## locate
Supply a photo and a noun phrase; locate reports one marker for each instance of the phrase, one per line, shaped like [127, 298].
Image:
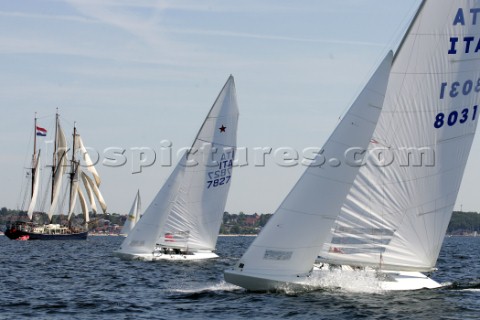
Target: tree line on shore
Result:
[462, 223]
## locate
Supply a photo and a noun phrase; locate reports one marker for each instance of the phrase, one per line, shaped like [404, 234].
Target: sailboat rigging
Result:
[286, 248]
[183, 220]
[65, 230]
[394, 217]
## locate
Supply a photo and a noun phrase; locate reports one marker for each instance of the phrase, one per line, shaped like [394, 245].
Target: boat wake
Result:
[356, 281]
[469, 285]
[205, 290]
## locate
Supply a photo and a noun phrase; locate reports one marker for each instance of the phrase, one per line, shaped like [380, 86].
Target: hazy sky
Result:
[135, 73]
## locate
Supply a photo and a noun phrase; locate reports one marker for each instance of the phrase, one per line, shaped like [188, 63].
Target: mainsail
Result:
[60, 156]
[398, 210]
[74, 191]
[96, 191]
[79, 178]
[289, 243]
[36, 185]
[89, 191]
[84, 206]
[87, 160]
[188, 208]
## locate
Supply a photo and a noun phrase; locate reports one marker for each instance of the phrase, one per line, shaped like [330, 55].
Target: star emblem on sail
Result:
[183, 220]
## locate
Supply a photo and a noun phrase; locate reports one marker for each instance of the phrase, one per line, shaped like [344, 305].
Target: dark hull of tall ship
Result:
[14, 233]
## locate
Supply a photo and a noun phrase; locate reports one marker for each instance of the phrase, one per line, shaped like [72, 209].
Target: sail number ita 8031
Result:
[455, 117]
[457, 88]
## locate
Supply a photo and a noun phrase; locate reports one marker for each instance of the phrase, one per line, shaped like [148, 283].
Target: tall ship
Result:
[72, 180]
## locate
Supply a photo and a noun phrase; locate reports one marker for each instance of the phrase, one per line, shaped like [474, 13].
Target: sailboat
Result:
[133, 215]
[183, 220]
[286, 248]
[62, 169]
[393, 219]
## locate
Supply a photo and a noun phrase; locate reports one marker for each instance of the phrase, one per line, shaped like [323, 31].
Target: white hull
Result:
[345, 278]
[198, 255]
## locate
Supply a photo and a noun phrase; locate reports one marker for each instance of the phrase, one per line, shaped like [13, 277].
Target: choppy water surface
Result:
[83, 280]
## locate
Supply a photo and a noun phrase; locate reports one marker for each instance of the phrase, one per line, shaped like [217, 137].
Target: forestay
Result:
[291, 240]
[399, 207]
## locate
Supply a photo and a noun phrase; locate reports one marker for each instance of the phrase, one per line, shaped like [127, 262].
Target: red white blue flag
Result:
[41, 131]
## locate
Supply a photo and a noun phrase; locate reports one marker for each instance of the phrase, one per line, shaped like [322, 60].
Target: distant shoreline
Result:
[220, 235]
[246, 235]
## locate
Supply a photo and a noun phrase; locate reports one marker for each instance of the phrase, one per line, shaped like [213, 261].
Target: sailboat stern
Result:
[406, 281]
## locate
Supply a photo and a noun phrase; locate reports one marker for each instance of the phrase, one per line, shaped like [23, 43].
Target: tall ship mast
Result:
[81, 180]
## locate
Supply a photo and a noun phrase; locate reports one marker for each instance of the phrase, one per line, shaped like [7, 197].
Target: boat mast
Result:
[34, 157]
[74, 165]
[54, 157]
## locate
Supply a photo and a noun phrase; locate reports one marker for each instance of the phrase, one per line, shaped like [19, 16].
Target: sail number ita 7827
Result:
[219, 177]
[223, 172]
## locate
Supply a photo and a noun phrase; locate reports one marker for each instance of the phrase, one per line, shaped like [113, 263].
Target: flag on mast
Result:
[42, 132]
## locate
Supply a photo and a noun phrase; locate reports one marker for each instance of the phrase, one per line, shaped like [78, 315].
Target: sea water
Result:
[83, 280]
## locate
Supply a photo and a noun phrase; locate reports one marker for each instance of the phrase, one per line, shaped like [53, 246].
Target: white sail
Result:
[88, 161]
[139, 207]
[89, 191]
[292, 238]
[96, 191]
[62, 194]
[61, 166]
[74, 193]
[397, 213]
[191, 203]
[36, 185]
[133, 215]
[83, 205]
